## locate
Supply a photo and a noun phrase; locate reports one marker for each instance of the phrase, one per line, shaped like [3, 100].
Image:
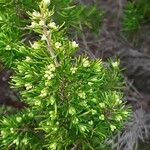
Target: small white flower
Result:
[41, 23]
[46, 2]
[74, 44]
[36, 14]
[43, 38]
[57, 45]
[52, 25]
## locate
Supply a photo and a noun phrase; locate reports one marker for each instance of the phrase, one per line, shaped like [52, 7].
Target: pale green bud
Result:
[102, 105]
[18, 119]
[72, 111]
[118, 118]
[73, 70]
[53, 146]
[112, 127]
[57, 45]
[75, 120]
[82, 94]
[115, 64]
[8, 47]
[102, 117]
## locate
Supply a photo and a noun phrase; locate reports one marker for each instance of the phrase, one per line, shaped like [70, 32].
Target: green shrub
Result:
[136, 14]
[72, 102]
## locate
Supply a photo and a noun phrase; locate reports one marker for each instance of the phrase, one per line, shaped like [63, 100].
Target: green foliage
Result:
[72, 102]
[136, 14]
[13, 19]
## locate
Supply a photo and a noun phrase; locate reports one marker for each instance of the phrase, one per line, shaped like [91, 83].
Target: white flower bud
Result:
[86, 62]
[36, 14]
[52, 25]
[115, 64]
[46, 2]
[41, 23]
[74, 44]
[28, 86]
